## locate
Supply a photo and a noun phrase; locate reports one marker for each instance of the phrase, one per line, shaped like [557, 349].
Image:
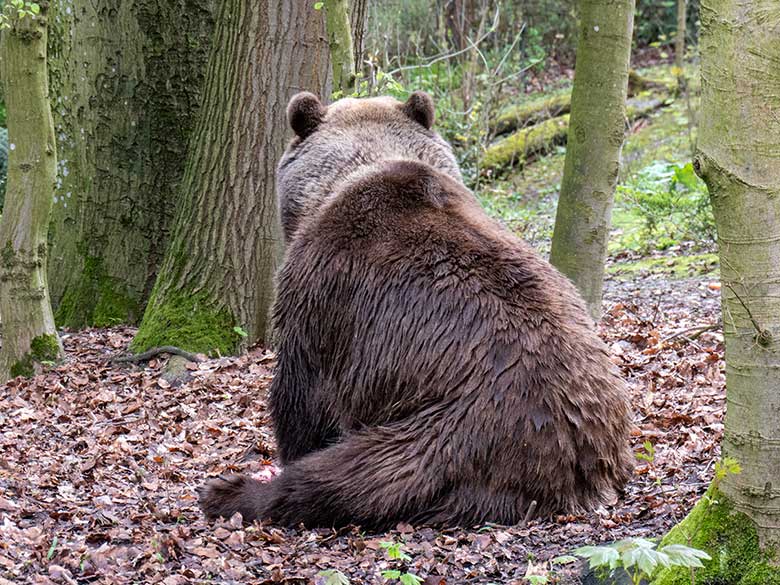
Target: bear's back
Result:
[403, 267]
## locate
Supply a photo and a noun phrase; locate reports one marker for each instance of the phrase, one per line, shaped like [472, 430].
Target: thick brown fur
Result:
[432, 367]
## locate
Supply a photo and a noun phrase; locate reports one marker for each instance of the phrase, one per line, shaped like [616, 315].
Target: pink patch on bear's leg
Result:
[267, 473]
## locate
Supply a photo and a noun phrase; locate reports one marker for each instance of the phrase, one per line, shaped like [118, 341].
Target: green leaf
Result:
[685, 175]
[391, 574]
[685, 556]
[52, 549]
[599, 556]
[564, 560]
[35, 8]
[642, 543]
[241, 332]
[537, 579]
[334, 577]
[318, 5]
[727, 466]
[410, 579]
[394, 551]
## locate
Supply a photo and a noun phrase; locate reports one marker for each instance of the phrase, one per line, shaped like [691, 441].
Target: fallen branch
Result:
[697, 331]
[540, 109]
[155, 351]
[531, 112]
[516, 149]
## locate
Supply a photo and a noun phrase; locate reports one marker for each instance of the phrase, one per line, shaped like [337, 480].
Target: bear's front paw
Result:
[224, 496]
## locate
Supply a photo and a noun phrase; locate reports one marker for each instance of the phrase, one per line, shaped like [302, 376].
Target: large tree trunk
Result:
[218, 271]
[739, 159]
[29, 336]
[597, 129]
[126, 79]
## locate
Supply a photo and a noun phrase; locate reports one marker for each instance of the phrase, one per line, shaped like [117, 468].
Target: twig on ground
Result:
[155, 351]
[697, 331]
[529, 514]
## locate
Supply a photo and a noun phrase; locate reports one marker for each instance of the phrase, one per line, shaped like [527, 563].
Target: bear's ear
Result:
[305, 113]
[419, 107]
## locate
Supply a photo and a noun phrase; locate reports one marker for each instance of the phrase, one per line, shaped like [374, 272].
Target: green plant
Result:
[671, 205]
[17, 9]
[639, 557]
[395, 552]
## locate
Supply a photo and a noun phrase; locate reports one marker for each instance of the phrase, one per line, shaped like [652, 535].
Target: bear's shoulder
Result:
[387, 200]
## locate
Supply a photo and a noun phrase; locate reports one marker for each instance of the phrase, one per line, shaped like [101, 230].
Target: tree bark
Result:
[598, 120]
[739, 159]
[29, 335]
[218, 271]
[679, 44]
[342, 52]
[358, 16]
[126, 79]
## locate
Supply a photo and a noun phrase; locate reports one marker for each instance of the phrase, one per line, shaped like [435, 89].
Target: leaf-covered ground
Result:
[99, 463]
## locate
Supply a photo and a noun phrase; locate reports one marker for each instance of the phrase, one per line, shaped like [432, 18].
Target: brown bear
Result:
[432, 368]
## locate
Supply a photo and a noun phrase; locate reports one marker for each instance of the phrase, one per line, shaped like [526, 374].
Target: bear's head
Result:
[336, 143]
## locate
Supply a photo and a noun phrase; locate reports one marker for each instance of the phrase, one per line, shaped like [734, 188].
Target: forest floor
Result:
[99, 464]
[99, 461]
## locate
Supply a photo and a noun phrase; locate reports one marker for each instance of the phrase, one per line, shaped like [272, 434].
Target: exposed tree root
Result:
[155, 351]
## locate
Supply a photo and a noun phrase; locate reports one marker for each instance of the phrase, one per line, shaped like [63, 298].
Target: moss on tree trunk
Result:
[126, 80]
[590, 173]
[29, 336]
[218, 271]
[729, 537]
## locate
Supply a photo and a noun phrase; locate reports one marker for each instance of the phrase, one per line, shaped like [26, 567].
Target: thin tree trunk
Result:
[29, 336]
[598, 103]
[342, 52]
[358, 16]
[126, 79]
[679, 45]
[739, 158]
[216, 283]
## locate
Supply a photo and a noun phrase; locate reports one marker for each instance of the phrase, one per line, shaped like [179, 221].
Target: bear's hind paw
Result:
[226, 495]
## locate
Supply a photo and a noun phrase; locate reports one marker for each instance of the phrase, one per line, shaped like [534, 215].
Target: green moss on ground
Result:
[729, 537]
[188, 322]
[96, 300]
[672, 266]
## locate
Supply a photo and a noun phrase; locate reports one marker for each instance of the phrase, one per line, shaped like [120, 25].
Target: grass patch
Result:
[675, 267]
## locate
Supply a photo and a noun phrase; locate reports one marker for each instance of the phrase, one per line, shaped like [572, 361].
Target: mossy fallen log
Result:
[516, 149]
[532, 112]
[541, 109]
[638, 83]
